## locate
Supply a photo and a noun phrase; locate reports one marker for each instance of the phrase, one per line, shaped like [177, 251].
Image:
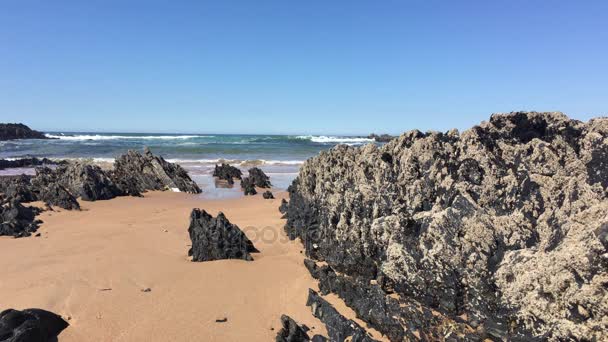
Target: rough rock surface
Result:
[89, 182]
[268, 195]
[339, 328]
[215, 238]
[17, 220]
[149, 172]
[505, 224]
[248, 186]
[25, 162]
[10, 131]
[291, 331]
[227, 172]
[259, 178]
[30, 325]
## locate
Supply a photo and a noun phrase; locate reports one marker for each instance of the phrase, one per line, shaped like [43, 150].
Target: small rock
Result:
[147, 289]
[221, 320]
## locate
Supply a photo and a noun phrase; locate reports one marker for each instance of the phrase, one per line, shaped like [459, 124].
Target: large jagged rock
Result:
[11, 131]
[138, 173]
[504, 224]
[215, 238]
[339, 328]
[227, 172]
[30, 325]
[259, 178]
[291, 331]
[17, 220]
[89, 182]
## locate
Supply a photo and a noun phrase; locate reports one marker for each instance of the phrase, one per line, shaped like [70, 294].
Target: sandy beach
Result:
[92, 267]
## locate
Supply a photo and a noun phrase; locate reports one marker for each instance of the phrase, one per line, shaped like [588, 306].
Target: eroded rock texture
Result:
[227, 172]
[259, 178]
[291, 331]
[25, 162]
[504, 226]
[215, 238]
[17, 220]
[248, 186]
[146, 171]
[30, 325]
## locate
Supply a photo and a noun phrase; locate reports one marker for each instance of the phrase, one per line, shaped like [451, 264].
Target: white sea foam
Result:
[124, 137]
[335, 140]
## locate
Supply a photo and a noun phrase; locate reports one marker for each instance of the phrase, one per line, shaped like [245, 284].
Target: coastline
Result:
[92, 266]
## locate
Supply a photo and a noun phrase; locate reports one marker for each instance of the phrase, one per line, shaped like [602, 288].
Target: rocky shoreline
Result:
[12, 131]
[498, 232]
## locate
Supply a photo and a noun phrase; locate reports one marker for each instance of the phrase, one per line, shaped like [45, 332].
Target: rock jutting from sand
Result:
[227, 172]
[504, 224]
[215, 238]
[259, 178]
[339, 328]
[291, 331]
[248, 186]
[16, 219]
[10, 131]
[30, 325]
[268, 195]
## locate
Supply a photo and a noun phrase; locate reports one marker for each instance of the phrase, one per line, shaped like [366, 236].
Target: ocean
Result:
[280, 156]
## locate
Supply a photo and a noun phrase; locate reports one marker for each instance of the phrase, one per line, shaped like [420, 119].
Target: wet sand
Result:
[92, 267]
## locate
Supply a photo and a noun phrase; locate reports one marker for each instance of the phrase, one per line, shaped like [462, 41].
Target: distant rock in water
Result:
[17, 220]
[9, 131]
[227, 172]
[30, 325]
[248, 186]
[268, 195]
[504, 224]
[381, 137]
[259, 178]
[25, 162]
[150, 172]
[215, 238]
[291, 331]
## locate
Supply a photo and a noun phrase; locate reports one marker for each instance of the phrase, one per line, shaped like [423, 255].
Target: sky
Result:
[297, 67]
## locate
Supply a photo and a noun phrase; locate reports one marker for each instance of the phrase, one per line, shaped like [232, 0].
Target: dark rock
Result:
[17, 220]
[139, 173]
[381, 138]
[221, 320]
[291, 331]
[25, 162]
[268, 195]
[259, 178]
[215, 238]
[227, 172]
[457, 221]
[284, 206]
[30, 325]
[339, 328]
[248, 186]
[89, 182]
[10, 131]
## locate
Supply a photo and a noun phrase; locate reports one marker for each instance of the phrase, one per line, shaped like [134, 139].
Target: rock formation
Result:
[339, 328]
[259, 178]
[248, 186]
[268, 195]
[25, 162]
[30, 325]
[291, 331]
[227, 172]
[17, 220]
[215, 238]
[381, 137]
[150, 172]
[9, 131]
[505, 225]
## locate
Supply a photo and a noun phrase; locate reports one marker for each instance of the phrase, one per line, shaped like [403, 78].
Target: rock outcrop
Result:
[505, 225]
[17, 220]
[30, 325]
[381, 137]
[259, 178]
[291, 331]
[227, 172]
[268, 195]
[10, 131]
[339, 328]
[215, 238]
[248, 186]
[149, 172]
[25, 162]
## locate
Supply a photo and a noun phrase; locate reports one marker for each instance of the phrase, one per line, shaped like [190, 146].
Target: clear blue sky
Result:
[320, 66]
